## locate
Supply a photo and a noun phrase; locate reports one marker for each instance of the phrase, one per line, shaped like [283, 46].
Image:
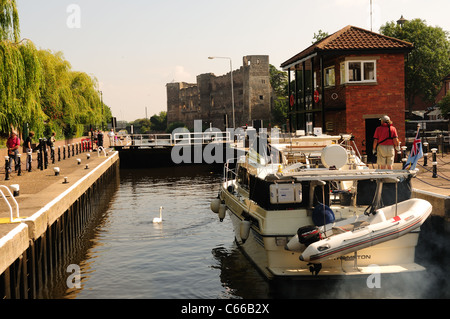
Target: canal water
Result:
[192, 255]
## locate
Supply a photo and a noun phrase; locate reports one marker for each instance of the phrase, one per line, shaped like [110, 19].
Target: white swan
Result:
[158, 219]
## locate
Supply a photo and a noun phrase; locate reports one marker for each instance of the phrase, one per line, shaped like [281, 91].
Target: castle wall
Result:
[210, 99]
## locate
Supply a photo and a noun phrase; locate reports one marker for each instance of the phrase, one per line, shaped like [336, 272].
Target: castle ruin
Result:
[210, 99]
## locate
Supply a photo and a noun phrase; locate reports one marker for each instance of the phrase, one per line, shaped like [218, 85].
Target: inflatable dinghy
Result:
[386, 224]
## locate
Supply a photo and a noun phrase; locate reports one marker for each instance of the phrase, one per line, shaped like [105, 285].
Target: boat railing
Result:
[229, 172]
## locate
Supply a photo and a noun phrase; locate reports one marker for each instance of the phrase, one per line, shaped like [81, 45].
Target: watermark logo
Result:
[208, 146]
[374, 279]
[74, 279]
[74, 19]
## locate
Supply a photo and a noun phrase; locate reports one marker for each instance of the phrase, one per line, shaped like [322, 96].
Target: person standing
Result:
[385, 142]
[111, 137]
[28, 142]
[100, 139]
[13, 144]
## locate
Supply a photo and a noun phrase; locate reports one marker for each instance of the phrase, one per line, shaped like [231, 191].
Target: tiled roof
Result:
[352, 38]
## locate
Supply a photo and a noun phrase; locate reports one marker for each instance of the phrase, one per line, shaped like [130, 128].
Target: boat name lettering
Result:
[350, 258]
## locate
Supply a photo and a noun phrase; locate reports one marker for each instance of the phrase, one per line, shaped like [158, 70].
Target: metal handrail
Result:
[9, 205]
[200, 137]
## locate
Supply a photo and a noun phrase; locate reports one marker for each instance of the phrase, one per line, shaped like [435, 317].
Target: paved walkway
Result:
[33, 185]
[425, 181]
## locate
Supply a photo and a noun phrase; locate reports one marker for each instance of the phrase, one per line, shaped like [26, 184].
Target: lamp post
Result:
[232, 86]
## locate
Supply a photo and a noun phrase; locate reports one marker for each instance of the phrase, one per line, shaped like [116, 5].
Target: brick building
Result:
[209, 99]
[346, 81]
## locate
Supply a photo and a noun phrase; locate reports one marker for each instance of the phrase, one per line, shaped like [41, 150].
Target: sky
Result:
[135, 47]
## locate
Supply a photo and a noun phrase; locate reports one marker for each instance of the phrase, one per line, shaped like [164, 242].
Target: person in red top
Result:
[13, 144]
[385, 142]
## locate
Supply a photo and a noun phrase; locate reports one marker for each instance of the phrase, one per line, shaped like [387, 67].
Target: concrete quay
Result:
[44, 197]
[436, 190]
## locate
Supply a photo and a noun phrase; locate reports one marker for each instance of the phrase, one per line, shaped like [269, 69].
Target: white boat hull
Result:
[267, 249]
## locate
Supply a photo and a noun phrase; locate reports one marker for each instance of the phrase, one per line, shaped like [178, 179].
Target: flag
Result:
[415, 154]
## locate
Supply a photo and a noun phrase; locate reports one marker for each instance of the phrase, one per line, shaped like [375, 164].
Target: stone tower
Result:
[210, 100]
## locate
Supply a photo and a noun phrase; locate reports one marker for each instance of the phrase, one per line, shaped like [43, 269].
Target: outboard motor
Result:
[308, 235]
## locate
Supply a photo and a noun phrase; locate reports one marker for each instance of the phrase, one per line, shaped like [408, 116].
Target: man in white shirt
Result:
[111, 137]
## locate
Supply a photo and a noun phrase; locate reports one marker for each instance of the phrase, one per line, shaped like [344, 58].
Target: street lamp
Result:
[232, 87]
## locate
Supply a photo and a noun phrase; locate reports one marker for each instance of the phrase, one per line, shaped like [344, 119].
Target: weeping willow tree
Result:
[70, 99]
[9, 21]
[39, 87]
[20, 85]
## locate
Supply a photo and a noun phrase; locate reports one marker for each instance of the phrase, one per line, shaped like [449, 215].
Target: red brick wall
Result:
[387, 96]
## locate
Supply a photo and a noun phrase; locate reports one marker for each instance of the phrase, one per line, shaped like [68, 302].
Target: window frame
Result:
[326, 77]
[344, 71]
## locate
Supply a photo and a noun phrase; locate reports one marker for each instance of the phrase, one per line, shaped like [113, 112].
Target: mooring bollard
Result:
[29, 161]
[39, 163]
[434, 162]
[19, 165]
[399, 153]
[53, 155]
[56, 170]
[44, 147]
[6, 168]
[15, 189]
[425, 153]
[403, 155]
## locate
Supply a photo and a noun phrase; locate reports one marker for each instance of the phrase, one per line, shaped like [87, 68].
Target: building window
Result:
[261, 97]
[329, 76]
[358, 71]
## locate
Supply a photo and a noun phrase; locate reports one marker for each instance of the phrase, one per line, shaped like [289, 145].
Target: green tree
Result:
[38, 87]
[444, 105]
[159, 122]
[428, 63]
[142, 125]
[278, 81]
[9, 21]
[319, 36]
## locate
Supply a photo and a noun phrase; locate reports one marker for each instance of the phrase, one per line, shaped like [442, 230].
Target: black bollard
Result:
[29, 161]
[18, 165]
[39, 159]
[73, 149]
[44, 147]
[53, 155]
[64, 152]
[434, 162]
[6, 168]
[59, 153]
[68, 150]
[425, 153]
